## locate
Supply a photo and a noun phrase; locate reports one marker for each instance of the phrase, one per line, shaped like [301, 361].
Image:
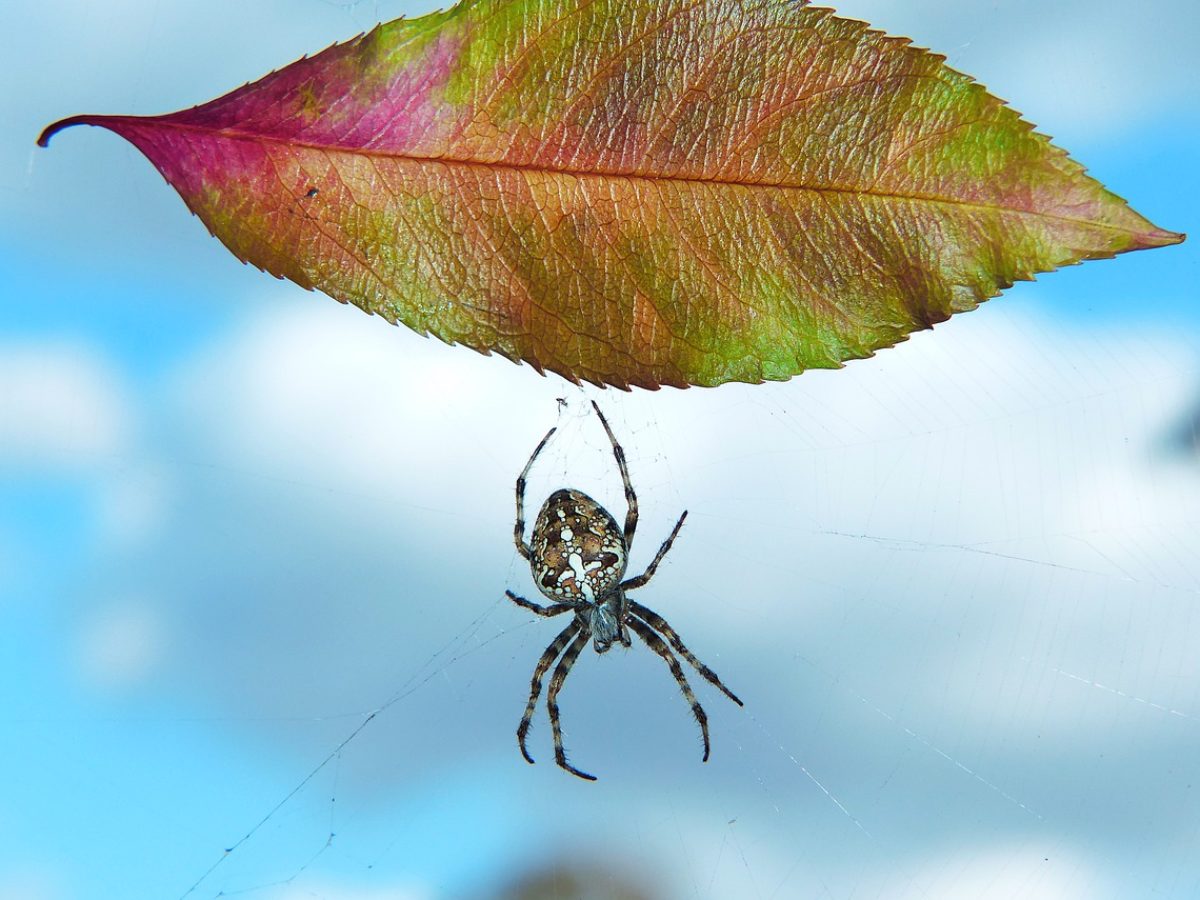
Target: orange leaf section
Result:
[637, 192]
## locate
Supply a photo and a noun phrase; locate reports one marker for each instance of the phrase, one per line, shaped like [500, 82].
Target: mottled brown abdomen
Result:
[578, 548]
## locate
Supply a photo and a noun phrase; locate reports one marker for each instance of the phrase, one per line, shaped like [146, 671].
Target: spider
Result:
[578, 555]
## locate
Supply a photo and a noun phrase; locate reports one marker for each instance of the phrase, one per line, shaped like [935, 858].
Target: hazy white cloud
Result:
[121, 643]
[924, 559]
[61, 407]
[28, 883]
[344, 400]
[1036, 869]
[947, 500]
[1012, 449]
[131, 503]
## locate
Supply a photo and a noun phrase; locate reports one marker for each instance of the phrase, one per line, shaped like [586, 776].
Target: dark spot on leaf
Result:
[312, 192]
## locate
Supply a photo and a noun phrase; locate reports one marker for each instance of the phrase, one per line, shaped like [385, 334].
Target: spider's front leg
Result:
[631, 502]
[641, 580]
[655, 643]
[519, 527]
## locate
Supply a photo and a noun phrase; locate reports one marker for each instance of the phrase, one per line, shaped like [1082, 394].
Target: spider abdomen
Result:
[578, 548]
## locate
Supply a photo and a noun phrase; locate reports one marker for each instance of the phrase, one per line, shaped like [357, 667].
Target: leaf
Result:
[637, 192]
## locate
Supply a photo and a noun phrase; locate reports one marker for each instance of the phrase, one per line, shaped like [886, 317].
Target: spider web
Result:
[955, 585]
[943, 659]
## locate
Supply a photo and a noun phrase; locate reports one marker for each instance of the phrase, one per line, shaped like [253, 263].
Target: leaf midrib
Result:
[235, 134]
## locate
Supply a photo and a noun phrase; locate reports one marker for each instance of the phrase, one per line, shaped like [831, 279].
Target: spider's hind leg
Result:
[535, 686]
[655, 643]
[654, 620]
[556, 683]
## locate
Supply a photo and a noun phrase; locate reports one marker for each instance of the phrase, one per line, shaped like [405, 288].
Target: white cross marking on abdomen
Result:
[580, 571]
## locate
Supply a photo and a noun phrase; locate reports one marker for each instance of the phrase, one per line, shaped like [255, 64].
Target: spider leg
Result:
[654, 620]
[658, 557]
[519, 528]
[556, 683]
[631, 504]
[622, 630]
[535, 685]
[655, 643]
[553, 609]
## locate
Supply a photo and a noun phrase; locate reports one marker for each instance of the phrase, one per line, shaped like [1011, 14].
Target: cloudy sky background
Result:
[957, 585]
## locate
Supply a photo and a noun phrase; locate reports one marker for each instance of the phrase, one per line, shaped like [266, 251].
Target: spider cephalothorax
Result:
[577, 555]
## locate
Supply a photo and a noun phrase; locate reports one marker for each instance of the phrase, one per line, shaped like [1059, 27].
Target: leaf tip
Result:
[1160, 237]
[55, 127]
[51, 130]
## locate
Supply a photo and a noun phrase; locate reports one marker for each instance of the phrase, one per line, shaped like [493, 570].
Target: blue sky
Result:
[955, 583]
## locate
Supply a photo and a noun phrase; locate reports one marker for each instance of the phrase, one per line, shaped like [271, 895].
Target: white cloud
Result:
[121, 643]
[28, 883]
[131, 503]
[979, 507]
[982, 477]
[61, 407]
[954, 532]
[1037, 869]
[339, 399]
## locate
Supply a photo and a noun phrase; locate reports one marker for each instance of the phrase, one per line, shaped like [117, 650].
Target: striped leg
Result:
[654, 620]
[553, 609]
[556, 683]
[631, 510]
[519, 528]
[535, 687]
[655, 643]
[653, 567]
